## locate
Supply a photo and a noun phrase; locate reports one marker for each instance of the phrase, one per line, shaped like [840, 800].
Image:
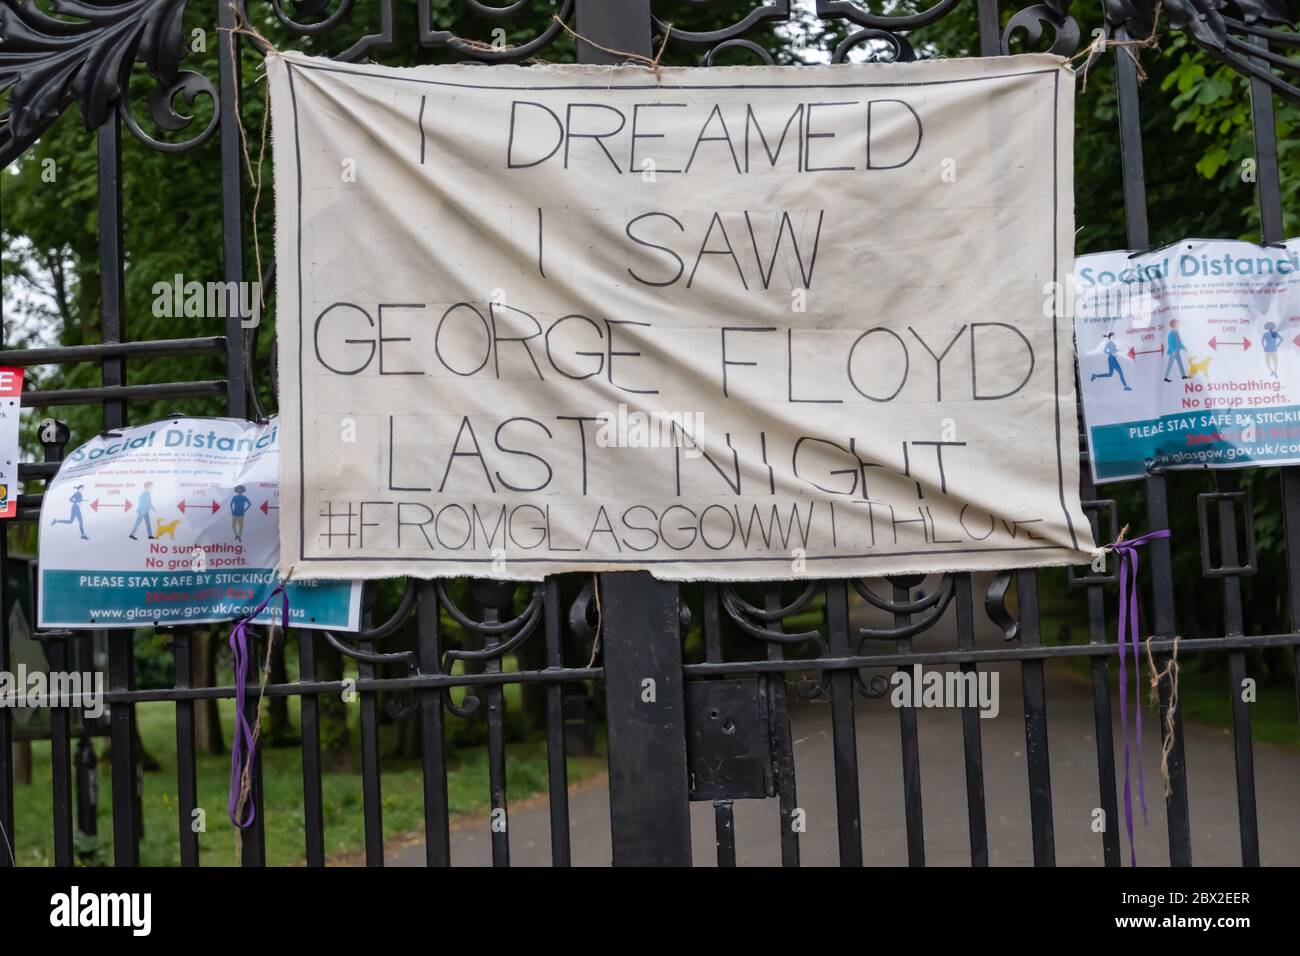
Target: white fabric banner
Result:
[737, 322]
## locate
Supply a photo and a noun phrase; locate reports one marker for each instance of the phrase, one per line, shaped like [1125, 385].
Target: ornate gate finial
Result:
[1211, 27]
[46, 63]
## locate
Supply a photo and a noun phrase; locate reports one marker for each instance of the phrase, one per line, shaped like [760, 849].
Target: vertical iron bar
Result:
[970, 728]
[712, 624]
[557, 769]
[724, 820]
[1162, 582]
[1270, 215]
[990, 28]
[650, 822]
[126, 823]
[724, 826]
[186, 770]
[7, 849]
[253, 837]
[372, 807]
[616, 24]
[87, 780]
[1244, 761]
[309, 725]
[121, 657]
[1291, 509]
[844, 736]
[781, 743]
[1132, 165]
[112, 370]
[1101, 708]
[6, 718]
[1269, 185]
[1035, 695]
[1267, 177]
[232, 202]
[496, 713]
[232, 254]
[437, 835]
[911, 750]
[56, 651]
[1233, 620]
[1176, 804]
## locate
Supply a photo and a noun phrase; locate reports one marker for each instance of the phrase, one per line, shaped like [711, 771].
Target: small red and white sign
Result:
[11, 389]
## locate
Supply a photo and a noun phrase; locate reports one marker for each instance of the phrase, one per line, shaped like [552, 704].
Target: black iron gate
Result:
[717, 728]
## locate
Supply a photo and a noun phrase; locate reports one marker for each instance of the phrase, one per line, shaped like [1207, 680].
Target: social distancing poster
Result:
[173, 523]
[1189, 356]
[11, 389]
[743, 322]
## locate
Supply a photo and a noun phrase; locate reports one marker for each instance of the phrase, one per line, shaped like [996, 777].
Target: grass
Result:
[1203, 692]
[402, 790]
[1203, 699]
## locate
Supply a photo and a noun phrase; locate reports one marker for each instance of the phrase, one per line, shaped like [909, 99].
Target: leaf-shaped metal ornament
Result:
[47, 63]
[1214, 27]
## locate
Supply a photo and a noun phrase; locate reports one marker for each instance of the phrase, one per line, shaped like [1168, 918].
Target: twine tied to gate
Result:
[244, 747]
[1128, 628]
[652, 62]
[243, 26]
[1170, 670]
[595, 639]
[1100, 44]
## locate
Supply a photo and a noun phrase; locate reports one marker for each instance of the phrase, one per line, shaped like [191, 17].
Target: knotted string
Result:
[1098, 46]
[1128, 633]
[243, 26]
[1170, 671]
[653, 64]
[244, 747]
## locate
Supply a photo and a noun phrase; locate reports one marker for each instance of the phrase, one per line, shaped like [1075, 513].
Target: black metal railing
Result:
[746, 650]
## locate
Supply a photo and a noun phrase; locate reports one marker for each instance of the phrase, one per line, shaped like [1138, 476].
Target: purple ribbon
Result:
[244, 746]
[1128, 627]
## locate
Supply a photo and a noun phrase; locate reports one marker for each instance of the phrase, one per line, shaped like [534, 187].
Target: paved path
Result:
[1215, 838]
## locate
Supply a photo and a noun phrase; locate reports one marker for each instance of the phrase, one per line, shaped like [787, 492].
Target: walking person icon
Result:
[1175, 348]
[1112, 363]
[144, 508]
[75, 514]
[239, 506]
[1271, 340]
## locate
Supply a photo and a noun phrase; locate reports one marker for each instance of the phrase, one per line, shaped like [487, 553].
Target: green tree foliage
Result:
[1213, 102]
[1195, 120]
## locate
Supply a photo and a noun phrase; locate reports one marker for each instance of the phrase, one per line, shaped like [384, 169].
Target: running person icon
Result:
[75, 514]
[239, 506]
[1112, 363]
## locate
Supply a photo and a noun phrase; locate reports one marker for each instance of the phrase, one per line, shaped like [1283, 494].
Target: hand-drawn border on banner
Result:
[1056, 372]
